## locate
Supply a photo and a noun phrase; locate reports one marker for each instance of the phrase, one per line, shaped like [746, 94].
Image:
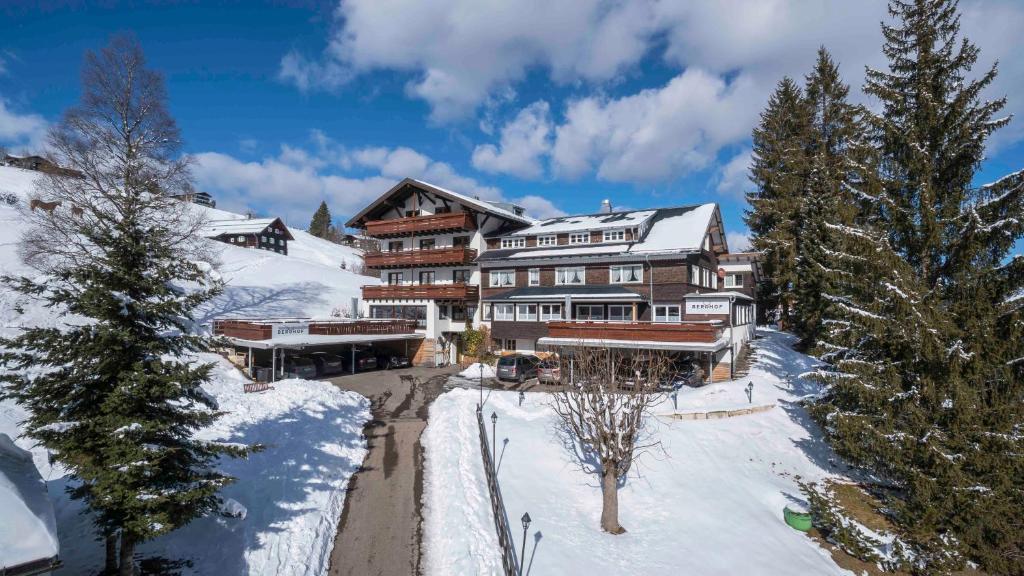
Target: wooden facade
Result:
[454, 256]
[264, 329]
[431, 224]
[421, 292]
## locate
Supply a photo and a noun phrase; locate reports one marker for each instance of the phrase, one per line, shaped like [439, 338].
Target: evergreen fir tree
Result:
[924, 329]
[779, 170]
[113, 392]
[320, 225]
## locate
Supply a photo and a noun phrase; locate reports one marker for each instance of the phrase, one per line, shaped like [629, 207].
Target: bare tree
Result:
[603, 407]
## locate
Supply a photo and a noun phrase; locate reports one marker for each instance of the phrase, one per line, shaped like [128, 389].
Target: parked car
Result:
[327, 364]
[518, 367]
[299, 367]
[549, 372]
[388, 360]
[365, 360]
[683, 373]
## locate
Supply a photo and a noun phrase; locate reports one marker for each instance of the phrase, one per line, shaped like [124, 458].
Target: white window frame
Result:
[514, 242]
[695, 275]
[504, 312]
[547, 240]
[553, 312]
[533, 277]
[667, 314]
[495, 277]
[590, 315]
[614, 235]
[240, 239]
[618, 270]
[733, 280]
[625, 308]
[562, 274]
[526, 316]
[579, 238]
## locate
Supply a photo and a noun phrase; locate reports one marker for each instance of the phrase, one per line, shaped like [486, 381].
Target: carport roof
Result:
[299, 341]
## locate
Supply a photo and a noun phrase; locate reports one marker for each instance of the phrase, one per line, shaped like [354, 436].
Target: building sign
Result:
[707, 306]
[290, 329]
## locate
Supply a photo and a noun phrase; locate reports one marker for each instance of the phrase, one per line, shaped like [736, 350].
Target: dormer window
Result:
[547, 240]
[579, 238]
[519, 242]
[614, 235]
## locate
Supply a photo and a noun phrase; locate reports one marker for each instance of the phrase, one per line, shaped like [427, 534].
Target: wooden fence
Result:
[505, 541]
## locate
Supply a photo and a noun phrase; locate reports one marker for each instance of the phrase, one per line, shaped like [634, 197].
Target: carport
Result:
[279, 335]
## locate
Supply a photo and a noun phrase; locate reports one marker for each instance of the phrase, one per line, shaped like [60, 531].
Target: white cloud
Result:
[738, 241]
[21, 131]
[734, 177]
[539, 207]
[524, 141]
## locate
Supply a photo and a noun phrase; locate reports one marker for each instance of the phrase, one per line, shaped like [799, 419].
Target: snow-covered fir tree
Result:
[924, 330]
[779, 171]
[112, 392]
[320, 225]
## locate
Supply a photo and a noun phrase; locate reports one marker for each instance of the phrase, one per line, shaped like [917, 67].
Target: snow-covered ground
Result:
[708, 501]
[294, 491]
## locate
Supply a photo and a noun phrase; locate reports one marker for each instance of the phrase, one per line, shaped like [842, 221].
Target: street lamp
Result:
[494, 441]
[750, 392]
[522, 558]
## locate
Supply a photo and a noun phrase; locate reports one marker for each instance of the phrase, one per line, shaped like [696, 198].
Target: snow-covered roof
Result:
[603, 221]
[576, 250]
[722, 294]
[28, 531]
[215, 228]
[475, 203]
[677, 229]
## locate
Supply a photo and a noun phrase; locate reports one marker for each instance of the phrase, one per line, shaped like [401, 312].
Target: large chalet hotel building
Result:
[659, 278]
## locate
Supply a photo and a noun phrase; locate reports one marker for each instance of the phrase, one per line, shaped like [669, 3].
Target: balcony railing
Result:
[433, 224]
[263, 329]
[431, 257]
[421, 292]
[637, 331]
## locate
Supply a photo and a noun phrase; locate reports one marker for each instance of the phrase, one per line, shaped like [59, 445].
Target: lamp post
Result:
[494, 441]
[481, 383]
[522, 558]
[750, 392]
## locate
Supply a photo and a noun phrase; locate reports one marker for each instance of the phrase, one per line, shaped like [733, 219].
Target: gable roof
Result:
[215, 228]
[406, 183]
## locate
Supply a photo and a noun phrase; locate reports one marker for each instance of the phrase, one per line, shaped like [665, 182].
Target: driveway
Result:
[379, 533]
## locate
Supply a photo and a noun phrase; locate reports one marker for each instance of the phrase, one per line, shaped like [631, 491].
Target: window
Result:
[502, 278]
[394, 278]
[547, 240]
[459, 312]
[263, 239]
[626, 274]
[417, 313]
[707, 242]
[620, 313]
[442, 311]
[589, 312]
[442, 209]
[534, 277]
[614, 235]
[579, 238]
[695, 275]
[460, 276]
[427, 243]
[487, 312]
[575, 275]
[280, 241]
[504, 312]
[427, 277]
[411, 213]
[519, 242]
[241, 239]
[667, 313]
[460, 241]
[396, 246]
[550, 312]
[509, 344]
[526, 312]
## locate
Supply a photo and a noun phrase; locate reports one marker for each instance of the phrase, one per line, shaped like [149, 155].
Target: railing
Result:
[421, 292]
[429, 257]
[378, 326]
[505, 541]
[420, 225]
[638, 331]
[264, 329]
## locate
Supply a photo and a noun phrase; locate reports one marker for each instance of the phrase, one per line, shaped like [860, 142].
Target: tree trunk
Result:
[127, 554]
[110, 565]
[610, 500]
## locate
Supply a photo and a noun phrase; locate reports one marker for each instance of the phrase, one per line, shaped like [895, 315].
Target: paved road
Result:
[379, 534]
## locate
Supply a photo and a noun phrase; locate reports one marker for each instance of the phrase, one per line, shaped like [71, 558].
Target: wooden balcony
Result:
[636, 331]
[433, 257]
[421, 292]
[259, 329]
[433, 224]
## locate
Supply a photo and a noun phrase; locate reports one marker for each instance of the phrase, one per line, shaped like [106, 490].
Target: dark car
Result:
[518, 367]
[682, 373]
[326, 363]
[549, 372]
[388, 360]
[365, 360]
[299, 367]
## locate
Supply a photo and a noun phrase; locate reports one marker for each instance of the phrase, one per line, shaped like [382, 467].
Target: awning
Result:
[300, 341]
[639, 344]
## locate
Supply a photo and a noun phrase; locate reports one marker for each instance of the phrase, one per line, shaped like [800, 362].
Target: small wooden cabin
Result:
[261, 233]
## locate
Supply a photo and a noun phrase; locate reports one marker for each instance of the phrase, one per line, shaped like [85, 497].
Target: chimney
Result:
[606, 206]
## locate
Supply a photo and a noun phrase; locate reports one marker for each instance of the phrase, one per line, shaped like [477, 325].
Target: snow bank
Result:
[709, 501]
[473, 372]
[28, 530]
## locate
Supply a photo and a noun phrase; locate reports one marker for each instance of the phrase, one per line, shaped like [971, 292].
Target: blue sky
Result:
[554, 105]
